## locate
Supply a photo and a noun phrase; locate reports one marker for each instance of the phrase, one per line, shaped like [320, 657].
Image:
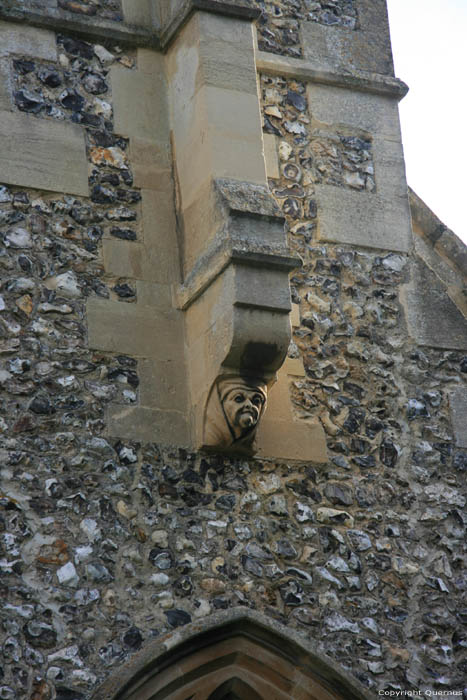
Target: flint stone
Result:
[67, 574]
[359, 540]
[18, 238]
[278, 505]
[29, 101]
[338, 495]
[324, 574]
[97, 572]
[303, 513]
[254, 550]
[176, 618]
[252, 566]
[338, 564]
[39, 634]
[331, 516]
[338, 623]
[291, 593]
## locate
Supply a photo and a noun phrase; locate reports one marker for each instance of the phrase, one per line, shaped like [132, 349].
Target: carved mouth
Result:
[247, 418]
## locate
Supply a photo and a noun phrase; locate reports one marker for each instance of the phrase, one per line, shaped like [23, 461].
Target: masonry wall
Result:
[109, 540]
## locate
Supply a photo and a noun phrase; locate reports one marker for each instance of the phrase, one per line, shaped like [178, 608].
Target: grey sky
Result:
[429, 40]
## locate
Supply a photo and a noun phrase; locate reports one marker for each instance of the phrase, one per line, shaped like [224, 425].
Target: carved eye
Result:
[239, 398]
[257, 400]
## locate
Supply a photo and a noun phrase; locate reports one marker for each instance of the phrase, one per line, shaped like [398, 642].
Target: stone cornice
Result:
[273, 64]
[93, 29]
[98, 30]
[229, 252]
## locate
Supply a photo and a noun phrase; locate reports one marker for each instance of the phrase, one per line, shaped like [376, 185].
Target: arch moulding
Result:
[234, 654]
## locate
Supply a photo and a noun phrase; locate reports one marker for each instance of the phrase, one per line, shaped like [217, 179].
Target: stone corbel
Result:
[237, 304]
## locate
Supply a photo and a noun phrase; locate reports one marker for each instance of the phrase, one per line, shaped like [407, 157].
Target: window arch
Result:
[233, 655]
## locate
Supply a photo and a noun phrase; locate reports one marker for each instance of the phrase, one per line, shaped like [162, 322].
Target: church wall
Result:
[114, 531]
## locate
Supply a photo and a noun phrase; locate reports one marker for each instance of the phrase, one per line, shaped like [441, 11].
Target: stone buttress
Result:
[233, 351]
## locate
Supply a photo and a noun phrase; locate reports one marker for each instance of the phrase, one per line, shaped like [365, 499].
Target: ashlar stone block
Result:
[148, 425]
[141, 12]
[139, 99]
[433, 319]
[458, 404]
[270, 155]
[363, 219]
[151, 165]
[153, 258]
[133, 329]
[27, 41]
[215, 117]
[339, 49]
[6, 102]
[376, 220]
[377, 114]
[43, 154]
[283, 436]
[152, 333]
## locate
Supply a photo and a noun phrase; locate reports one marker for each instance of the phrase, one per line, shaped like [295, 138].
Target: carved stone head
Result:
[233, 411]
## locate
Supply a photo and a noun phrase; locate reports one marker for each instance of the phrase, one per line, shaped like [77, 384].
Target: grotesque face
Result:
[243, 407]
[233, 412]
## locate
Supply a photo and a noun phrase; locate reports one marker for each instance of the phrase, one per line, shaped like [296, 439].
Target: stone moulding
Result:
[301, 69]
[233, 643]
[90, 29]
[251, 234]
[438, 235]
[156, 37]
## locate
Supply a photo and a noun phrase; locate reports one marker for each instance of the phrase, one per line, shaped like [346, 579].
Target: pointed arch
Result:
[234, 689]
[233, 655]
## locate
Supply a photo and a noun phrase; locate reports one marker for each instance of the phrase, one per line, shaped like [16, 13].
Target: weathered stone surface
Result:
[433, 318]
[6, 103]
[27, 41]
[149, 424]
[145, 88]
[270, 156]
[458, 404]
[127, 329]
[359, 218]
[283, 436]
[42, 154]
[101, 520]
[377, 114]
[151, 168]
[335, 48]
[143, 12]
[221, 104]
